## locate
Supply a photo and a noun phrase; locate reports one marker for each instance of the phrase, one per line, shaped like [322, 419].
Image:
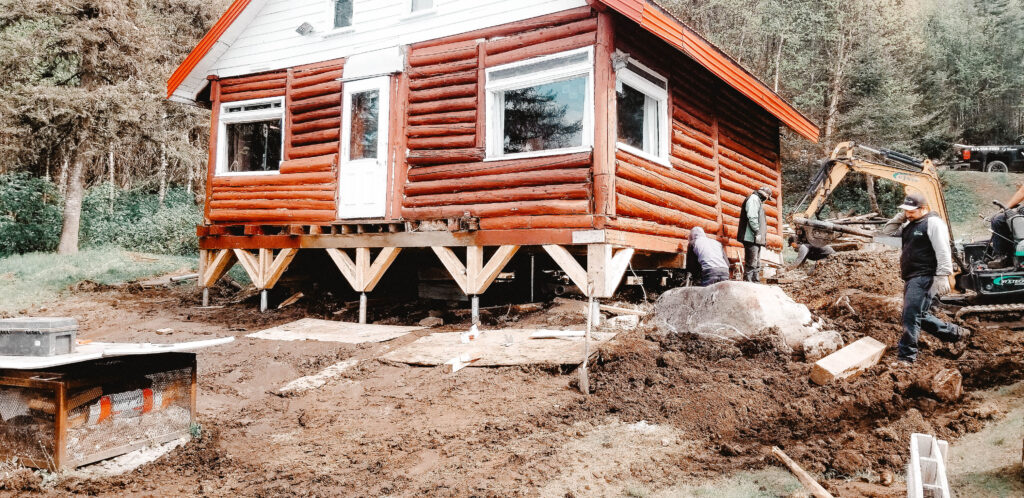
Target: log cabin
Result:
[595, 133]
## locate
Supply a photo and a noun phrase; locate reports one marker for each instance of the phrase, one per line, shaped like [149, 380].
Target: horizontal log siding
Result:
[447, 175]
[723, 146]
[305, 190]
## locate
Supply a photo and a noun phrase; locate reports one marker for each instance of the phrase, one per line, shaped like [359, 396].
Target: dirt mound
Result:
[847, 272]
[743, 398]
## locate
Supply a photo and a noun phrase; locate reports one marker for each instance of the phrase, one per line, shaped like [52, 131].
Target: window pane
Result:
[545, 117]
[254, 146]
[342, 13]
[422, 5]
[363, 143]
[638, 119]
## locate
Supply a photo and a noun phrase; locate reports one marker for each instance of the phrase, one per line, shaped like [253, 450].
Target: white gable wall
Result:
[269, 41]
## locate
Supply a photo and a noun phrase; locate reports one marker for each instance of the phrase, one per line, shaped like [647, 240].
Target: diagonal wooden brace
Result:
[363, 274]
[475, 276]
[604, 271]
[265, 269]
[214, 264]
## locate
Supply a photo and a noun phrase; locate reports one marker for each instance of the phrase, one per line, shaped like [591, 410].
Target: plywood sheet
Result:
[436, 349]
[97, 350]
[313, 329]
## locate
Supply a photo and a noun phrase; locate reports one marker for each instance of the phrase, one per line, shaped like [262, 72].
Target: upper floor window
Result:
[540, 106]
[642, 110]
[418, 6]
[251, 136]
[343, 13]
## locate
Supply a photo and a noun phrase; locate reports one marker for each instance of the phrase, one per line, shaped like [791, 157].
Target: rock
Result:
[821, 345]
[431, 321]
[947, 385]
[436, 313]
[734, 310]
[849, 462]
[886, 479]
[625, 322]
[730, 450]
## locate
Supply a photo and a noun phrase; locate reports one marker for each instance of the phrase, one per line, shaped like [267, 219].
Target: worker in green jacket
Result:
[753, 232]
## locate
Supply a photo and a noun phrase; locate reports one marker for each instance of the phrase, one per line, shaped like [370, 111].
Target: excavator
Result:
[983, 289]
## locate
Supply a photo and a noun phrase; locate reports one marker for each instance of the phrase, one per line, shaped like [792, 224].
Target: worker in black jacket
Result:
[753, 232]
[925, 266]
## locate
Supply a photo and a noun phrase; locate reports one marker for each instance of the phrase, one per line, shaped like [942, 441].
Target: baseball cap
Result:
[913, 201]
[766, 191]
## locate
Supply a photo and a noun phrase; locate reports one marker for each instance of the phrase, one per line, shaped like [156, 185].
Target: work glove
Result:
[940, 286]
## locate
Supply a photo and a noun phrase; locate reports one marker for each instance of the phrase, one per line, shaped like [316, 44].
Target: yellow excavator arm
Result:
[915, 175]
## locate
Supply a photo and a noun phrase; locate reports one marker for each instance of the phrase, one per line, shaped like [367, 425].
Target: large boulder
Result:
[739, 310]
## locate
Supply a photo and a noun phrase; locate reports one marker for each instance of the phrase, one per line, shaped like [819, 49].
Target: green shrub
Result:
[136, 221]
[30, 214]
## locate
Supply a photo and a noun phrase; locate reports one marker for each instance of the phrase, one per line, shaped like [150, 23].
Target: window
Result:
[642, 111]
[364, 115]
[540, 106]
[251, 137]
[342, 13]
[418, 6]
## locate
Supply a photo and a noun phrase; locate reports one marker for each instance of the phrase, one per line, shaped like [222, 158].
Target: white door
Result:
[362, 185]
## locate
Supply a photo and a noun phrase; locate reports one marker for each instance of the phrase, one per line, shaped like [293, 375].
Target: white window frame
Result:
[225, 118]
[335, 31]
[641, 84]
[495, 141]
[411, 14]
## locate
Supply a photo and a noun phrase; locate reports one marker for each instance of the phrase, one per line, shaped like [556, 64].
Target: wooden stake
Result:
[584, 378]
[809, 483]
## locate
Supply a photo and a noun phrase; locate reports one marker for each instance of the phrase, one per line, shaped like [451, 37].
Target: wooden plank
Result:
[572, 268]
[313, 329]
[438, 348]
[809, 483]
[250, 264]
[217, 266]
[455, 267]
[346, 265]
[380, 265]
[483, 279]
[848, 362]
[459, 362]
[278, 266]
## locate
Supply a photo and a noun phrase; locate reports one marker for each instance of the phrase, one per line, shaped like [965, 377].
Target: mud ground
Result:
[664, 410]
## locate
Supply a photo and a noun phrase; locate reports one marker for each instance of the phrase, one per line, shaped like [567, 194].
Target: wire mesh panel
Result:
[95, 410]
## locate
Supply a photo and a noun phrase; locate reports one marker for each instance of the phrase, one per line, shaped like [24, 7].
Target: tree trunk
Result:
[62, 181]
[72, 211]
[778, 62]
[872, 197]
[163, 174]
[110, 166]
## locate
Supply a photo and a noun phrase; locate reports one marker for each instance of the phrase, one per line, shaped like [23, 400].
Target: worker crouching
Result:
[925, 266]
[705, 259]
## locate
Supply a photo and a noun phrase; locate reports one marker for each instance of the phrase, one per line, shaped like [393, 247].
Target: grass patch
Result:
[36, 278]
[768, 482]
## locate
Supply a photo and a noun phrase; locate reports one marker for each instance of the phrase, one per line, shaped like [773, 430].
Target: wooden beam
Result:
[486, 275]
[809, 483]
[454, 266]
[346, 265]
[278, 266]
[569, 265]
[250, 264]
[848, 362]
[380, 265]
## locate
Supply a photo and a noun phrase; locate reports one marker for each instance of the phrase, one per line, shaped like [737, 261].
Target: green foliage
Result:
[961, 202]
[36, 278]
[30, 216]
[135, 219]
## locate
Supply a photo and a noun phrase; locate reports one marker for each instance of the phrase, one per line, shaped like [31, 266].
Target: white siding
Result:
[268, 39]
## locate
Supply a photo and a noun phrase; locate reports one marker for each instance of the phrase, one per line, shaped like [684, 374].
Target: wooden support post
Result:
[475, 276]
[365, 272]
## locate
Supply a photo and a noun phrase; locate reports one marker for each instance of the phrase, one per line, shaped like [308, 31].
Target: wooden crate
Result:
[73, 415]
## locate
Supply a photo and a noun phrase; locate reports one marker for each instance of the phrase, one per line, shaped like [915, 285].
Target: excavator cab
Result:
[1005, 282]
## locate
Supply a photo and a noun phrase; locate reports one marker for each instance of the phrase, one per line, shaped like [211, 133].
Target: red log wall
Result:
[445, 127]
[723, 147]
[306, 188]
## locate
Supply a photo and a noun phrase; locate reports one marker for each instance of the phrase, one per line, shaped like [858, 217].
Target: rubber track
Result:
[992, 308]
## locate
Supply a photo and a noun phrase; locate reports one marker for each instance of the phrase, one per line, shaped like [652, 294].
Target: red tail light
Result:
[966, 154]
